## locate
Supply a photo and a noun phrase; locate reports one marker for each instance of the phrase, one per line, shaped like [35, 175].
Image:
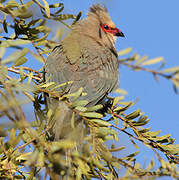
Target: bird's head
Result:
[105, 22]
[99, 26]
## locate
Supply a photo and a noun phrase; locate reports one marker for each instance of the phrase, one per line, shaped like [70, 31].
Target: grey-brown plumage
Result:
[88, 57]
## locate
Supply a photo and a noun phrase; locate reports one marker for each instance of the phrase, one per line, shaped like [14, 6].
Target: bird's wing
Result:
[94, 67]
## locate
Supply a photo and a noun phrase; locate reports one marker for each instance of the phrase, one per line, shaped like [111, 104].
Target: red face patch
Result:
[115, 31]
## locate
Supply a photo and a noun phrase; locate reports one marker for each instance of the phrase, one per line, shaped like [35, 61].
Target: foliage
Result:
[25, 152]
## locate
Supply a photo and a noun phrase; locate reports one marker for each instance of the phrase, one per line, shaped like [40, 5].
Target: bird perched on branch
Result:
[87, 56]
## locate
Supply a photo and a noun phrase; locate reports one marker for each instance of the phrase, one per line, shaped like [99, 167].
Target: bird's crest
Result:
[101, 13]
[97, 8]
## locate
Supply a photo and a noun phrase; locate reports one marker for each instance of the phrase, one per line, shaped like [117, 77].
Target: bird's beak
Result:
[119, 33]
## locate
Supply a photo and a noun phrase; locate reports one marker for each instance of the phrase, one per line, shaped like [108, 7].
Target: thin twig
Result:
[33, 43]
[147, 70]
[32, 140]
[29, 69]
[11, 69]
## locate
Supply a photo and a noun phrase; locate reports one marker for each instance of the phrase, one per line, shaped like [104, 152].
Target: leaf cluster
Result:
[25, 150]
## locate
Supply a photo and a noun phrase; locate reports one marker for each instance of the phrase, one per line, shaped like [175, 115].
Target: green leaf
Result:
[11, 4]
[171, 70]
[3, 132]
[55, 5]
[78, 174]
[144, 130]
[101, 122]
[78, 93]
[92, 115]
[63, 144]
[152, 133]
[124, 51]
[2, 52]
[77, 18]
[176, 82]
[64, 17]
[34, 21]
[43, 37]
[99, 165]
[5, 26]
[117, 149]
[172, 149]
[162, 139]
[47, 85]
[116, 165]
[20, 13]
[30, 78]
[141, 60]
[95, 108]
[25, 87]
[63, 84]
[133, 142]
[133, 115]
[120, 109]
[28, 4]
[42, 42]
[81, 108]
[142, 119]
[107, 156]
[130, 156]
[121, 91]
[153, 61]
[24, 52]
[79, 103]
[117, 99]
[23, 156]
[140, 123]
[116, 120]
[73, 120]
[47, 9]
[20, 61]
[42, 28]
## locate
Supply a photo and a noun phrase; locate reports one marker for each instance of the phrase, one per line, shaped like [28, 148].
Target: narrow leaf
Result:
[124, 51]
[20, 61]
[5, 26]
[92, 115]
[171, 70]
[101, 122]
[95, 108]
[153, 61]
[79, 103]
[133, 115]
[47, 9]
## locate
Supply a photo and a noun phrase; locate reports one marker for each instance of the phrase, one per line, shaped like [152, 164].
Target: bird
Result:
[88, 57]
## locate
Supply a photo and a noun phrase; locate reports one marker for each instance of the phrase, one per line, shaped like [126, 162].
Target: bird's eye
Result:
[106, 27]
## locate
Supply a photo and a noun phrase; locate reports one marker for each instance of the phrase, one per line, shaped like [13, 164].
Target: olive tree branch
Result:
[154, 72]
[149, 142]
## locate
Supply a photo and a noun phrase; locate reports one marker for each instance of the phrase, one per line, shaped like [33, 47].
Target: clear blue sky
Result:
[151, 28]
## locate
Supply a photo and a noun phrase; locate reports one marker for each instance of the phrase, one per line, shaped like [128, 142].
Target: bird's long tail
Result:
[61, 123]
